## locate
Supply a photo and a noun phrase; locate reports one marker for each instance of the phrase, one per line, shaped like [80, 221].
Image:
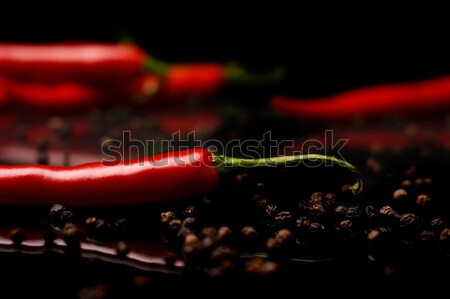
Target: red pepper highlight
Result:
[193, 79]
[85, 62]
[155, 179]
[416, 97]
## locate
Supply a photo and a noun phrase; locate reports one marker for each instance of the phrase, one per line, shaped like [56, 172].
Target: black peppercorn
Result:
[208, 232]
[183, 232]
[190, 211]
[316, 198]
[371, 212]
[98, 229]
[224, 233]
[437, 225]
[284, 236]
[283, 219]
[423, 200]
[222, 252]
[340, 211]
[122, 250]
[316, 228]
[167, 216]
[329, 200]
[189, 223]
[345, 224]
[260, 267]
[406, 183]
[271, 209]
[249, 232]
[191, 244]
[72, 235]
[386, 211]
[17, 235]
[399, 194]
[59, 215]
[174, 224]
[317, 210]
[353, 212]
[410, 223]
[408, 220]
[427, 236]
[445, 235]
[303, 223]
[121, 228]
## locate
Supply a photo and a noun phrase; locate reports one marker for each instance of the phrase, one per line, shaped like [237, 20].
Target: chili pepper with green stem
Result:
[165, 177]
[405, 98]
[101, 63]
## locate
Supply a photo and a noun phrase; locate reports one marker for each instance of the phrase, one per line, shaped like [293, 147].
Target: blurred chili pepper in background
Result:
[64, 75]
[374, 101]
[65, 95]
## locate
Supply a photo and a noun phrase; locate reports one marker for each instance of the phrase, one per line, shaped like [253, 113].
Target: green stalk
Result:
[236, 75]
[228, 164]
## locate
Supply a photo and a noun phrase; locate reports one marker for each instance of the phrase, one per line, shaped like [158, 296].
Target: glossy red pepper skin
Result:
[416, 97]
[85, 62]
[159, 178]
[193, 79]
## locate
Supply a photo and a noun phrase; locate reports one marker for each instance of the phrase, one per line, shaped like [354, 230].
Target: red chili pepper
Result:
[85, 62]
[164, 177]
[193, 79]
[67, 95]
[417, 97]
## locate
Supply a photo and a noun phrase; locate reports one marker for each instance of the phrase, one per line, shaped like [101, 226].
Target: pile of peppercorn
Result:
[267, 234]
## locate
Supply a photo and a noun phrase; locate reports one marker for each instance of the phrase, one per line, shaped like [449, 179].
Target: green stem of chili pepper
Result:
[227, 164]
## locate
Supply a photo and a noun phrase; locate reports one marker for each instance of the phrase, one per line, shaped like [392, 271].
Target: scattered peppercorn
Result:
[399, 194]
[423, 200]
[167, 216]
[316, 198]
[353, 212]
[283, 218]
[190, 211]
[317, 210]
[437, 225]
[72, 235]
[340, 211]
[122, 249]
[387, 211]
[260, 267]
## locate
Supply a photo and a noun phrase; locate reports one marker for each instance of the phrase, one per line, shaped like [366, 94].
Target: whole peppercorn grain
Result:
[386, 211]
[317, 210]
[316, 198]
[167, 216]
[399, 194]
[353, 212]
[423, 200]
[283, 218]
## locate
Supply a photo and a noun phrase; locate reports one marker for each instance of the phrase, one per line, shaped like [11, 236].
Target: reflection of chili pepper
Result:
[66, 95]
[71, 62]
[372, 101]
[160, 178]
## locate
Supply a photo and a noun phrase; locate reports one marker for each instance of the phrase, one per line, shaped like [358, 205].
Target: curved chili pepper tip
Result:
[373, 101]
[227, 164]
